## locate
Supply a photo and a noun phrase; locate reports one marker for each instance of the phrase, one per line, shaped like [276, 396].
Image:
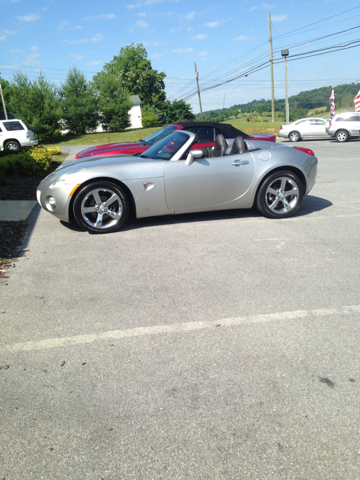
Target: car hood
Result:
[113, 149]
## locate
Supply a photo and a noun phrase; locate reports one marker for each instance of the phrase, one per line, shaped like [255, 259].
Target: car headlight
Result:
[59, 182]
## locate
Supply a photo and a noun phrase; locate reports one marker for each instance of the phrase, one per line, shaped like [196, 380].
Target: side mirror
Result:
[193, 154]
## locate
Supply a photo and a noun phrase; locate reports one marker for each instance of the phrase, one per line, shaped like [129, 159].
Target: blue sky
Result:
[224, 38]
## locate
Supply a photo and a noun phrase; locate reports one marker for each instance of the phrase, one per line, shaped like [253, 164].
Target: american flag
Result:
[332, 104]
[357, 102]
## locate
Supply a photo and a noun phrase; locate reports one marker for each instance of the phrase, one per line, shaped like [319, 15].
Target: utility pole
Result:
[272, 72]
[285, 53]
[3, 102]
[197, 81]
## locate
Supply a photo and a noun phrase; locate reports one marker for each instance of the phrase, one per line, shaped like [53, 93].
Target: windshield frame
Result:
[160, 134]
[182, 141]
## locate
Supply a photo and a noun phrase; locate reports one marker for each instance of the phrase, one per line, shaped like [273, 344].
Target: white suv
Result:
[15, 134]
[344, 125]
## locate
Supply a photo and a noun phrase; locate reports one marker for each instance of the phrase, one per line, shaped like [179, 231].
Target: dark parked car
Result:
[206, 132]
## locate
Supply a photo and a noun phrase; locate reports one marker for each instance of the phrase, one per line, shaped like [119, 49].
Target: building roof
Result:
[135, 99]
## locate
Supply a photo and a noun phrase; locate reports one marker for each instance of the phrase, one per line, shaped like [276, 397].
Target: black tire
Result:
[342, 136]
[294, 136]
[93, 212]
[280, 195]
[12, 146]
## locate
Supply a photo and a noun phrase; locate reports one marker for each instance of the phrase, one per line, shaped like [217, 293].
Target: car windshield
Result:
[160, 134]
[167, 147]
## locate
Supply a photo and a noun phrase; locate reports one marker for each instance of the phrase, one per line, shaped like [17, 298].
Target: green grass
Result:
[135, 135]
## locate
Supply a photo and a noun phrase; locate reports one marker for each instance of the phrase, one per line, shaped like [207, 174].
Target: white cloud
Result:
[94, 62]
[241, 37]
[212, 24]
[96, 17]
[203, 54]
[278, 18]
[142, 24]
[34, 48]
[32, 59]
[201, 36]
[151, 42]
[173, 30]
[183, 50]
[190, 16]
[76, 56]
[142, 14]
[158, 55]
[265, 6]
[97, 38]
[132, 6]
[32, 17]
[2, 37]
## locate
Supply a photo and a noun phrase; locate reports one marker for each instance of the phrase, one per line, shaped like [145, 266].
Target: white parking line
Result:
[177, 327]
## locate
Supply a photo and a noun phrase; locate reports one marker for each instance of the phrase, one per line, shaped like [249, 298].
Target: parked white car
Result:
[344, 126]
[15, 134]
[305, 127]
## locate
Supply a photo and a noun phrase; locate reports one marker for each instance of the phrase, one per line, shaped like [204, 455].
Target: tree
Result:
[170, 112]
[36, 102]
[79, 103]
[136, 75]
[114, 103]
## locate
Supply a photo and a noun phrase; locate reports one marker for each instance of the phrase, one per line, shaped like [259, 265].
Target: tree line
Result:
[299, 104]
[79, 106]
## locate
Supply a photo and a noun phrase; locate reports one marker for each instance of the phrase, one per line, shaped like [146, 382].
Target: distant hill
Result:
[302, 102]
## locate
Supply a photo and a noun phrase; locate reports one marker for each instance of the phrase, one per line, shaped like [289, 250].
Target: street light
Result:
[285, 53]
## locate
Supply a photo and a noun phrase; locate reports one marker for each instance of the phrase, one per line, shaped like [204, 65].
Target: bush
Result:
[34, 162]
[54, 150]
[149, 119]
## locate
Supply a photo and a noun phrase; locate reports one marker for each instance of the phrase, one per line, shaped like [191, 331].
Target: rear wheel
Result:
[280, 195]
[342, 136]
[294, 136]
[12, 146]
[101, 207]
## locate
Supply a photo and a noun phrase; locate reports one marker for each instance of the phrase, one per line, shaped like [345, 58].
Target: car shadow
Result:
[309, 205]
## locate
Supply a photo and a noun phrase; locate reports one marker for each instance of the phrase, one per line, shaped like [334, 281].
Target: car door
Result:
[1, 137]
[354, 124]
[318, 127]
[305, 128]
[208, 181]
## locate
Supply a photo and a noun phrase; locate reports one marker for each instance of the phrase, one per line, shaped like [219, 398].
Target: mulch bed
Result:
[20, 187]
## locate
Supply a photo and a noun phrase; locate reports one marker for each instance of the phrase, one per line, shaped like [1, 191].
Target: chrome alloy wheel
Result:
[101, 208]
[282, 195]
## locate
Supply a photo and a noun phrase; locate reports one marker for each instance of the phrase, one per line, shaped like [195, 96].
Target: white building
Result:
[134, 112]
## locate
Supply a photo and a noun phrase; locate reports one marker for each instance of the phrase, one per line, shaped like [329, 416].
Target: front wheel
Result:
[101, 207]
[12, 146]
[342, 136]
[280, 195]
[294, 136]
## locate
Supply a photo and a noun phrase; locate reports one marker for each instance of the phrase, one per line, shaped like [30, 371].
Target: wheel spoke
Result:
[283, 184]
[86, 210]
[114, 215]
[272, 191]
[274, 204]
[294, 191]
[287, 205]
[99, 220]
[113, 199]
[95, 194]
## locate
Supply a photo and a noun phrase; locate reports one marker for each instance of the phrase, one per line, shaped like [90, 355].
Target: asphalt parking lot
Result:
[207, 346]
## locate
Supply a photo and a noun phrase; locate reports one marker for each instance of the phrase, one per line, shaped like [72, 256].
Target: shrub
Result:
[54, 150]
[149, 119]
[34, 162]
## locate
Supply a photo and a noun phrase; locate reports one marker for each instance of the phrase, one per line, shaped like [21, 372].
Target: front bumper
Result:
[55, 201]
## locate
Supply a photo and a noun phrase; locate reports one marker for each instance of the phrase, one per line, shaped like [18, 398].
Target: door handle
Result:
[238, 163]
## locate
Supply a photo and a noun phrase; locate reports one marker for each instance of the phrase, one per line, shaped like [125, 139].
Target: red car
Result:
[206, 132]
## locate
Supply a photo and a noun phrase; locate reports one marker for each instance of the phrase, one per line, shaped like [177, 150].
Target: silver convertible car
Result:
[99, 192]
